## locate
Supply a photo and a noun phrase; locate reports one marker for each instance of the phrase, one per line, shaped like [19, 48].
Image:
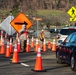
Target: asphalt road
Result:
[27, 62]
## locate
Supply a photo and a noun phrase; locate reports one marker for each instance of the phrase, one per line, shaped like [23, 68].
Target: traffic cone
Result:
[37, 45]
[1, 43]
[15, 59]
[32, 42]
[54, 45]
[2, 47]
[38, 64]
[7, 50]
[18, 47]
[28, 46]
[11, 50]
[1, 38]
[44, 45]
[49, 45]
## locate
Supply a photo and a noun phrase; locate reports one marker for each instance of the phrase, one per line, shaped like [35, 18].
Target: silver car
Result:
[64, 32]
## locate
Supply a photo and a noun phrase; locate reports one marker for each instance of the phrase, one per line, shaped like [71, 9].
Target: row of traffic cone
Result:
[2, 47]
[38, 64]
[50, 46]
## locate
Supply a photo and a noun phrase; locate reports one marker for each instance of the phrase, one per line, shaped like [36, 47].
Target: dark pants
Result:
[9, 38]
[25, 41]
[42, 39]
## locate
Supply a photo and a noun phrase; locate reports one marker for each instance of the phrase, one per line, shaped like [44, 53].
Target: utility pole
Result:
[10, 20]
[37, 20]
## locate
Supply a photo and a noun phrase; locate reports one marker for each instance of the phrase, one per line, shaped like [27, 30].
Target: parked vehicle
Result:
[54, 30]
[66, 51]
[64, 32]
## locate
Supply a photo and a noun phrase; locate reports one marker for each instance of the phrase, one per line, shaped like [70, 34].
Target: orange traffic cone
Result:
[54, 45]
[38, 64]
[7, 50]
[15, 55]
[49, 45]
[2, 47]
[18, 45]
[28, 46]
[1, 37]
[37, 45]
[1, 43]
[44, 45]
[11, 50]
[32, 42]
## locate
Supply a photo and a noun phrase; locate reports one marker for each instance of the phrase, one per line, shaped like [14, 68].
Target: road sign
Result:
[39, 19]
[20, 21]
[5, 25]
[72, 11]
[73, 19]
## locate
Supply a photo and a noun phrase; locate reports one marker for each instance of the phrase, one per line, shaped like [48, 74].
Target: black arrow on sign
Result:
[21, 23]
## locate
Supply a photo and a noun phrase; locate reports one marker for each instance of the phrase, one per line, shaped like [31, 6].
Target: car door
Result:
[71, 46]
[65, 45]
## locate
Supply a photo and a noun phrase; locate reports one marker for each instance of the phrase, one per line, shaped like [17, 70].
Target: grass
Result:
[50, 12]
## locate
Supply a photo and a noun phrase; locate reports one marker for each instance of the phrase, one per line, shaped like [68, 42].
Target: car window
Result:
[67, 31]
[69, 37]
[73, 39]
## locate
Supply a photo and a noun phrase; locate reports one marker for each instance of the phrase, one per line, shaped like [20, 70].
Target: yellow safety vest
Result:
[42, 35]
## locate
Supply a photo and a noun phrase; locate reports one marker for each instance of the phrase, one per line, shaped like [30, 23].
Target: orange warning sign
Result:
[20, 21]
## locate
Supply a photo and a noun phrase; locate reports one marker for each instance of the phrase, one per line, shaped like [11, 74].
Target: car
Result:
[66, 51]
[64, 32]
[54, 30]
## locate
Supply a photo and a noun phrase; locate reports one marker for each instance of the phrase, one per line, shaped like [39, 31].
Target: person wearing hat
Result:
[42, 36]
[23, 39]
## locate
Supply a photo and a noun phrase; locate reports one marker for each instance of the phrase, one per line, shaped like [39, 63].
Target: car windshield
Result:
[67, 31]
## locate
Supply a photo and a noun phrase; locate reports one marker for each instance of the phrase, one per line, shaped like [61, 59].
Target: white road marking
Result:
[24, 64]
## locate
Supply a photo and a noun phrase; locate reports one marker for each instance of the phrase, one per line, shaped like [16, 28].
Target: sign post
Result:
[37, 19]
[10, 21]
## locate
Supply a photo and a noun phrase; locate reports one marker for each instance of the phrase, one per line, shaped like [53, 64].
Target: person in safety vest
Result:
[42, 36]
[23, 39]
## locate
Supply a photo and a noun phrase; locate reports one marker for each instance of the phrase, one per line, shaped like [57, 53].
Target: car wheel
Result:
[73, 63]
[58, 58]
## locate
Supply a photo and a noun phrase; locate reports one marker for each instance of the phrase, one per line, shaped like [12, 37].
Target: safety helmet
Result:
[42, 30]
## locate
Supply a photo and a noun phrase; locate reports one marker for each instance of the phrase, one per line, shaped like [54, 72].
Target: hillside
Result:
[53, 12]
[32, 5]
